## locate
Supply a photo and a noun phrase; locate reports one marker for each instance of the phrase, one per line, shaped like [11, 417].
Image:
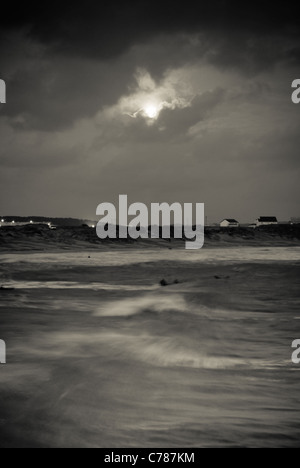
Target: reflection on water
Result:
[121, 362]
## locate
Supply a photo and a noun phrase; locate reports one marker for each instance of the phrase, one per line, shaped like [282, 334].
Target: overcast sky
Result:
[157, 100]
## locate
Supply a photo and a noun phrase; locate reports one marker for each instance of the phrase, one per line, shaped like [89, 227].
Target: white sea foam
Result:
[134, 306]
[167, 352]
[76, 285]
[123, 257]
[148, 349]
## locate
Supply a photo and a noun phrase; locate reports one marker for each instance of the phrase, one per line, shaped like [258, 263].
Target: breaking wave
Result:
[134, 306]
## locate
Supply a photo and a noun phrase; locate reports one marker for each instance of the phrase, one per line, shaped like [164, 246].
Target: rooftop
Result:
[268, 219]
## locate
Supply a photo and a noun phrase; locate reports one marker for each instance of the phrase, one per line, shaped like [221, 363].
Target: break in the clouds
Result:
[156, 101]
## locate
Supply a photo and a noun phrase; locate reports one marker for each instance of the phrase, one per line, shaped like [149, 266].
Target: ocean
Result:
[99, 354]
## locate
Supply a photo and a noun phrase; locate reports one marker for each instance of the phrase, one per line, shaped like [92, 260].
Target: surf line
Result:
[161, 214]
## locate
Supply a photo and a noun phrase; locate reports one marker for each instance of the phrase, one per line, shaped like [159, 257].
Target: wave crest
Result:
[135, 306]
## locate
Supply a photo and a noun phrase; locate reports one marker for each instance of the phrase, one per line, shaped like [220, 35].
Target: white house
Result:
[266, 221]
[228, 223]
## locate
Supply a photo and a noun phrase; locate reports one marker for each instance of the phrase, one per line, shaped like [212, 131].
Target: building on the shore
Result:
[266, 221]
[229, 223]
[295, 220]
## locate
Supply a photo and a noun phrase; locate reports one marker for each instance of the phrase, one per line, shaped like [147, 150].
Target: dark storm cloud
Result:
[64, 61]
[108, 28]
[222, 71]
[55, 94]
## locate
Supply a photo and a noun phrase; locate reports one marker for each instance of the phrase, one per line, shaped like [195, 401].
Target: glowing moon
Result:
[151, 111]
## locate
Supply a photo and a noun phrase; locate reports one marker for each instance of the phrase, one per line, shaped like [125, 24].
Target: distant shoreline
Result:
[41, 238]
